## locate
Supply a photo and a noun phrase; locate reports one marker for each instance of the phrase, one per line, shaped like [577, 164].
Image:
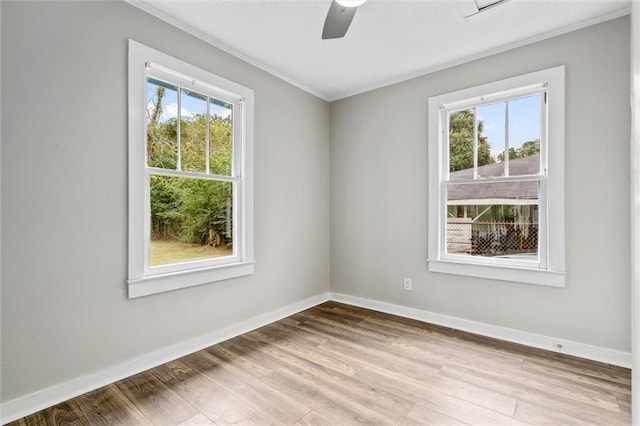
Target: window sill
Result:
[503, 273]
[166, 282]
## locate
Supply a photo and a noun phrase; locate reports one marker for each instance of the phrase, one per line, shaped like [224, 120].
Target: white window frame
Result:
[143, 279]
[550, 270]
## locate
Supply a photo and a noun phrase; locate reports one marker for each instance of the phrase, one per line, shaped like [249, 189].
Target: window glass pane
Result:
[191, 219]
[491, 139]
[193, 145]
[493, 219]
[220, 137]
[162, 108]
[525, 118]
[461, 143]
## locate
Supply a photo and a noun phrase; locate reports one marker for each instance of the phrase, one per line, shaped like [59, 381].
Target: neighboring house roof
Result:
[521, 192]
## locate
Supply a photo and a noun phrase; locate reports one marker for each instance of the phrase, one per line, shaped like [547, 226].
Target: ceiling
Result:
[388, 41]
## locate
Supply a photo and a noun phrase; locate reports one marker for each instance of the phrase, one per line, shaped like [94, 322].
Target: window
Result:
[190, 175]
[496, 180]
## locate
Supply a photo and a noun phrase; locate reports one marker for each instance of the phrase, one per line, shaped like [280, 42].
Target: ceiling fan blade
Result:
[338, 20]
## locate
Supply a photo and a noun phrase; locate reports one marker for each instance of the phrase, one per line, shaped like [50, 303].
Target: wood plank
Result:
[593, 378]
[441, 340]
[624, 402]
[532, 383]
[225, 352]
[462, 412]
[109, 406]
[197, 420]
[338, 364]
[159, 403]
[355, 329]
[344, 391]
[268, 402]
[303, 351]
[420, 369]
[325, 400]
[438, 385]
[370, 395]
[581, 409]
[293, 332]
[65, 413]
[546, 412]
[313, 418]
[209, 398]
[463, 356]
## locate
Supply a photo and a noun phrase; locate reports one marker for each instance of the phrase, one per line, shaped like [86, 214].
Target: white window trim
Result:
[551, 270]
[141, 280]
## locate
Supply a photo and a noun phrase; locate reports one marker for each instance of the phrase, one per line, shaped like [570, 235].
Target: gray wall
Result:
[64, 189]
[64, 308]
[379, 195]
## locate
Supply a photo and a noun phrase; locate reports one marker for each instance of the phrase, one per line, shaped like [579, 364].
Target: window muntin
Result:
[190, 175]
[499, 221]
[496, 180]
[191, 215]
[479, 135]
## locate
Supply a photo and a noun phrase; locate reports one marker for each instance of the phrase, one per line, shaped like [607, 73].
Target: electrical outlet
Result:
[408, 285]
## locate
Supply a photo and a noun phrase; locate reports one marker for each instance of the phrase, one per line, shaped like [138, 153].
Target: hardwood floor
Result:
[340, 365]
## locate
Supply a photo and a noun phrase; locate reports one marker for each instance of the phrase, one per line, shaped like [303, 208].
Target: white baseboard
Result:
[582, 350]
[31, 403]
[34, 402]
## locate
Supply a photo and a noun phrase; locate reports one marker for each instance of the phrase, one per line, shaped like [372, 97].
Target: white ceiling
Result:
[388, 41]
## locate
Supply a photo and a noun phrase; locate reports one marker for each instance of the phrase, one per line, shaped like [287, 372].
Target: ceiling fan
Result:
[341, 13]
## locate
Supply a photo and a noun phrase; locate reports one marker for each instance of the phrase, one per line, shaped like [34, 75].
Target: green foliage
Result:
[205, 209]
[165, 203]
[461, 142]
[512, 154]
[220, 145]
[162, 142]
[528, 148]
[192, 144]
[191, 210]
